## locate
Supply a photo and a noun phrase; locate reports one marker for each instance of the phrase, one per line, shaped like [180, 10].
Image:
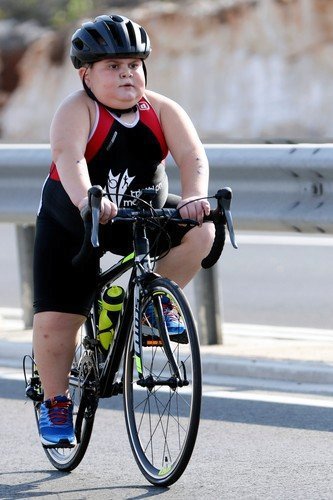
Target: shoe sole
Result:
[180, 338]
[62, 443]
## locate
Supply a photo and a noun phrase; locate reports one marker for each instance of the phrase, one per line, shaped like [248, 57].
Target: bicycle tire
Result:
[83, 372]
[162, 436]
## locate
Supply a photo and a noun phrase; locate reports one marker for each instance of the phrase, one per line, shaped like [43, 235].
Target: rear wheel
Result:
[162, 410]
[83, 388]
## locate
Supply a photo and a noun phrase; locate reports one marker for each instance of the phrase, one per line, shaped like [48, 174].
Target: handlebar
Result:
[220, 216]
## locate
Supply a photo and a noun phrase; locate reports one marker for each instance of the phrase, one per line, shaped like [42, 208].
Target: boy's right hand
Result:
[108, 209]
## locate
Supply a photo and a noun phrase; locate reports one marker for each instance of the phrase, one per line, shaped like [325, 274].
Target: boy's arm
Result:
[189, 154]
[69, 134]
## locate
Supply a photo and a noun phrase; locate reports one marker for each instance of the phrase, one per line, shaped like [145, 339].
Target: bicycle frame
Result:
[142, 273]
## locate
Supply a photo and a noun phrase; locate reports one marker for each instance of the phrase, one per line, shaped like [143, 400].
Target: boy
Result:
[117, 134]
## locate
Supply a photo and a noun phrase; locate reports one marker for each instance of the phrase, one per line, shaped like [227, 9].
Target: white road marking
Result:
[278, 332]
[11, 374]
[284, 239]
[270, 398]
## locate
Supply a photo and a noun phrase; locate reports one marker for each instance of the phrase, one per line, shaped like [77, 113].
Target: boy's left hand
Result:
[192, 208]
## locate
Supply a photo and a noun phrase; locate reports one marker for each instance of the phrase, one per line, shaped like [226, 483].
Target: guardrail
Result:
[276, 187]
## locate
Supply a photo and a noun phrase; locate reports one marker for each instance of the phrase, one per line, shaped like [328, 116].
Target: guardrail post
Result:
[25, 236]
[208, 306]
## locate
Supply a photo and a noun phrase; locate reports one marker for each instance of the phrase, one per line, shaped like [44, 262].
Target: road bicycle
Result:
[158, 374]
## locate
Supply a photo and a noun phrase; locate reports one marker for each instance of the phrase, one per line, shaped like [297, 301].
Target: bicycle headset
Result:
[109, 36]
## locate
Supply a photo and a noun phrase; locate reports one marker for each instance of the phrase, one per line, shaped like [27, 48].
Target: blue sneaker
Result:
[174, 324]
[56, 423]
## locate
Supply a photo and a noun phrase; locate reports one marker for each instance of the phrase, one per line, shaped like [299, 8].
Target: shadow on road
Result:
[34, 488]
[267, 413]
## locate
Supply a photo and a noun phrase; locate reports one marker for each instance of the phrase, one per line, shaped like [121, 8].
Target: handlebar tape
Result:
[218, 243]
[86, 249]
[90, 216]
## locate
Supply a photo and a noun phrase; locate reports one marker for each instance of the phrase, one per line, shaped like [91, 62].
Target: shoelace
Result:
[58, 414]
[169, 310]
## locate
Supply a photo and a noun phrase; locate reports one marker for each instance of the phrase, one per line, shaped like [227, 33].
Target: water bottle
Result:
[111, 305]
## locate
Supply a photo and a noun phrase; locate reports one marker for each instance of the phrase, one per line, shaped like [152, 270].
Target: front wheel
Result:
[162, 409]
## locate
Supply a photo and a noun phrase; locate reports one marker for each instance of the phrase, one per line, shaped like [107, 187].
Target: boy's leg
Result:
[54, 341]
[184, 261]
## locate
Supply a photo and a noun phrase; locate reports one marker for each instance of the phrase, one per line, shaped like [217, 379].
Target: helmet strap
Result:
[117, 112]
[144, 71]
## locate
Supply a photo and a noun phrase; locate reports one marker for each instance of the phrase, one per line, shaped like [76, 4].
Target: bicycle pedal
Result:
[63, 443]
[34, 389]
[151, 342]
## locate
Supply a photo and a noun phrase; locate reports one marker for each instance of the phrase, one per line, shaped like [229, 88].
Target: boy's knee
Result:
[200, 239]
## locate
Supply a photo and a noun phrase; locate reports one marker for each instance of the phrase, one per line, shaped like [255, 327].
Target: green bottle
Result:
[111, 305]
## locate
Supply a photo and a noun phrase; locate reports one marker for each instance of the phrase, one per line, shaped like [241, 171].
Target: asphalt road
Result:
[252, 444]
[275, 279]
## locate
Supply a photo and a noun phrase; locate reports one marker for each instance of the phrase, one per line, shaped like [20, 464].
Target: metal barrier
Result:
[276, 187]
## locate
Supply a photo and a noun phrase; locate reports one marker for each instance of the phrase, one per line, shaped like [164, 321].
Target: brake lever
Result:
[95, 194]
[224, 197]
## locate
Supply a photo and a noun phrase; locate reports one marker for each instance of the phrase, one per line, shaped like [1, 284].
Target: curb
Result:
[308, 372]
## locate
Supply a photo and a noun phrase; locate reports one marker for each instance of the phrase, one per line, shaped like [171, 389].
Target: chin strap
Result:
[117, 112]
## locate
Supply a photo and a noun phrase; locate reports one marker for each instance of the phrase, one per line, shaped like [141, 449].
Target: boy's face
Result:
[119, 83]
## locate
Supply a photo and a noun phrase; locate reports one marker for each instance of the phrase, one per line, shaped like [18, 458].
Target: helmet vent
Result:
[143, 35]
[115, 34]
[116, 18]
[78, 44]
[131, 33]
[96, 36]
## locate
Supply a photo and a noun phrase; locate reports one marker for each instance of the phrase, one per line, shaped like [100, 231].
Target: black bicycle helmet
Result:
[108, 36]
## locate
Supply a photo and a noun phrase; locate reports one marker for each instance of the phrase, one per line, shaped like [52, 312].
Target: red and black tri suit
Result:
[124, 159]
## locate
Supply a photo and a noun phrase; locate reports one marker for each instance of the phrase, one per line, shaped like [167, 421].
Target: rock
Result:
[15, 38]
[242, 69]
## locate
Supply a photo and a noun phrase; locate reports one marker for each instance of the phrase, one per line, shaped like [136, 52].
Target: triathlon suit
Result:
[124, 159]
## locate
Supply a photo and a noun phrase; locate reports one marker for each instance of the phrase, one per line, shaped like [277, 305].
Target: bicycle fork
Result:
[177, 378]
[144, 278]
